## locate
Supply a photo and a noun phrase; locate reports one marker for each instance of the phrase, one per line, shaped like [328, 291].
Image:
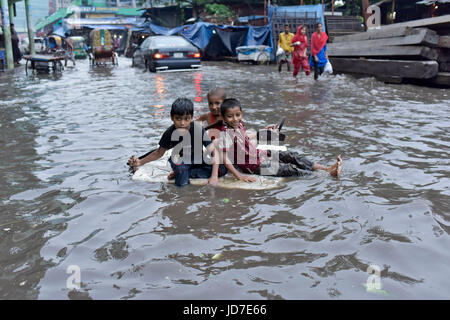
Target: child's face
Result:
[214, 103]
[233, 117]
[303, 31]
[182, 122]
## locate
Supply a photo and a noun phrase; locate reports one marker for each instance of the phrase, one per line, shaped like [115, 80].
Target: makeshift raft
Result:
[417, 51]
[157, 172]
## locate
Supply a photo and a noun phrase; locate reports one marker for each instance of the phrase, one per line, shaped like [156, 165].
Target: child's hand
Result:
[134, 163]
[247, 179]
[272, 127]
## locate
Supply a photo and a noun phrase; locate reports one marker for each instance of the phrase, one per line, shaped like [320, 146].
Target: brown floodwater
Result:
[67, 198]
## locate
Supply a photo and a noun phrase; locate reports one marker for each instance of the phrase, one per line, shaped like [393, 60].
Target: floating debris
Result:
[217, 256]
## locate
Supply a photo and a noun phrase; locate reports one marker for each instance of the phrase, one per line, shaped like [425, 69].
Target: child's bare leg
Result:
[171, 175]
[334, 170]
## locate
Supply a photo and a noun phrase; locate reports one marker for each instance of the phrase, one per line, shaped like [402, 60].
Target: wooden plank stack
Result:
[416, 50]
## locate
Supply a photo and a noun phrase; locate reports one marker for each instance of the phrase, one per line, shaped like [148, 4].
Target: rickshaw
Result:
[78, 47]
[53, 44]
[102, 51]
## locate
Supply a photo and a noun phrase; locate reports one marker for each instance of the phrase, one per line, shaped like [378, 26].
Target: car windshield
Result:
[171, 42]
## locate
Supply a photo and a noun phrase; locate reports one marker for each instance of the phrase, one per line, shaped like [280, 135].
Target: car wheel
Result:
[152, 67]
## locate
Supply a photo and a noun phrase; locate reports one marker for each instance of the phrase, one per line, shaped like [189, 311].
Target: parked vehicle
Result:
[78, 48]
[254, 54]
[39, 45]
[163, 53]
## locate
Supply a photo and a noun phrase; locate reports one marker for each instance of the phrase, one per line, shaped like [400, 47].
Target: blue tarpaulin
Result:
[200, 34]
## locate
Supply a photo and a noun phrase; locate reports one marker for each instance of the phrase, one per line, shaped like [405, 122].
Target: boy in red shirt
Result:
[239, 150]
[215, 98]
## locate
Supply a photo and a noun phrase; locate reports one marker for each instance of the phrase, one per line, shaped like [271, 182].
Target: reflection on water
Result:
[198, 87]
[67, 198]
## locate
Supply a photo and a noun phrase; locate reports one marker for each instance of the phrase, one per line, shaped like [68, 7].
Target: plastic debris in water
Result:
[217, 256]
[226, 200]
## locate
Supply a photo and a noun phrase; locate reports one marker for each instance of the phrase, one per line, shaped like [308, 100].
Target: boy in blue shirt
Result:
[187, 138]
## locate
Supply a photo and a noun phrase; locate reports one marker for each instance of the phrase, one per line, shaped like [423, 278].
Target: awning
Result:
[430, 2]
[250, 18]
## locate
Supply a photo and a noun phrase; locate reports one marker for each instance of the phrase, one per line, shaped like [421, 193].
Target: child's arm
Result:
[134, 162]
[203, 117]
[214, 179]
[229, 165]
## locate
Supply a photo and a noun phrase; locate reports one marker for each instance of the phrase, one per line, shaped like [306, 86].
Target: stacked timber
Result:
[397, 53]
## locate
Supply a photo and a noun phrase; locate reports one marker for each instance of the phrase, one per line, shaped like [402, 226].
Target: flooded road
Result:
[68, 201]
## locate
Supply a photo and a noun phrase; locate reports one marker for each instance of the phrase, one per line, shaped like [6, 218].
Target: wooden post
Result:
[29, 27]
[365, 5]
[266, 12]
[7, 35]
[301, 2]
[332, 7]
[11, 12]
[393, 10]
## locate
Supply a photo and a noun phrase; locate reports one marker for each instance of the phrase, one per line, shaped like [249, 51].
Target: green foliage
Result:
[219, 10]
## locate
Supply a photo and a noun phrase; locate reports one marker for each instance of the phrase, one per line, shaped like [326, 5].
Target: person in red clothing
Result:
[215, 99]
[237, 149]
[319, 55]
[299, 57]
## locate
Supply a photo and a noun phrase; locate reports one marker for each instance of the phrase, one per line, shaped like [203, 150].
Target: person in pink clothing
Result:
[299, 57]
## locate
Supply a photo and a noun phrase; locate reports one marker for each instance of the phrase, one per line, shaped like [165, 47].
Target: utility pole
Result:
[29, 27]
[11, 12]
[7, 35]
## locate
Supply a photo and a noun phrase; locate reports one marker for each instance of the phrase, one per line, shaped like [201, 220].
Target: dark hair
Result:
[217, 92]
[182, 106]
[229, 104]
[319, 23]
[286, 25]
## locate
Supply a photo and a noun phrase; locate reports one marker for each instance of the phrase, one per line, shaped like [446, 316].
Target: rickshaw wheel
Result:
[263, 58]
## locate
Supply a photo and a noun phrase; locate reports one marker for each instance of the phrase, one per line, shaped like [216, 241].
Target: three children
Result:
[232, 148]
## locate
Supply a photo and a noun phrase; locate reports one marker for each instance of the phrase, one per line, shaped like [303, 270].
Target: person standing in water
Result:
[17, 54]
[284, 41]
[319, 55]
[299, 57]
